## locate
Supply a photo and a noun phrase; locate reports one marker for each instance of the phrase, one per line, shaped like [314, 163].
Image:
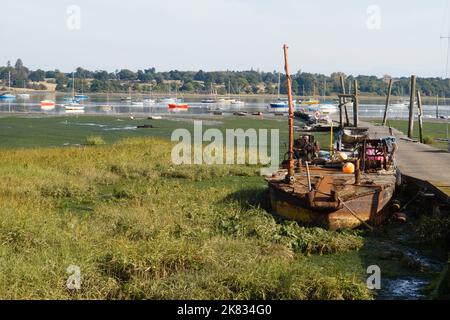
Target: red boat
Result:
[47, 103]
[178, 106]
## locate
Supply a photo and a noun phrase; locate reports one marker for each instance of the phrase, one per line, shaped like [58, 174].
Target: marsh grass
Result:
[95, 141]
[142, 228]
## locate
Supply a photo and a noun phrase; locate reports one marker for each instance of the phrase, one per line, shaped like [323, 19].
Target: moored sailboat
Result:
[178, 104]
[72, 104]
[282, 104]
[8, 95]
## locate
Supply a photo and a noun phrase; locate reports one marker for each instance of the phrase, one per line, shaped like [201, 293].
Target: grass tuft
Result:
[95, 141]
[428, 140]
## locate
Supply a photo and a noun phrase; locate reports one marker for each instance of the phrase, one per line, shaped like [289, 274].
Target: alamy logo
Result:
[374, 280]
[73, 21]
[373, 21]
[74, 280]
[236, 147]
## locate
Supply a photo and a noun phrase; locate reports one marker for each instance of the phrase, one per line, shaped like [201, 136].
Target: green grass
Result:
[29, 132]
[94, 141]
[141, 228]
[432, 130]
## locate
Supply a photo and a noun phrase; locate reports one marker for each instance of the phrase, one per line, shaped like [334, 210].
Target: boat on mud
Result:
[351, 187]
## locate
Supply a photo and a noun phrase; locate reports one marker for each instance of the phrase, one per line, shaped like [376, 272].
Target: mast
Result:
[279, 85]
[82, 85]
[73, 86]
[9, 81]
[107, 92]
[290, 175]
[437, 106]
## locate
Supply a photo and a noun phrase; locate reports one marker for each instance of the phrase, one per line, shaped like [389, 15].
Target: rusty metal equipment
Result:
[306, 148]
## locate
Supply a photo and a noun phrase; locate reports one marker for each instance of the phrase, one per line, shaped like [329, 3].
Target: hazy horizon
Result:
[353, 37]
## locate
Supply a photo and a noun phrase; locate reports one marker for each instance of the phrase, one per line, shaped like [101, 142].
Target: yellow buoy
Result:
[348, 168]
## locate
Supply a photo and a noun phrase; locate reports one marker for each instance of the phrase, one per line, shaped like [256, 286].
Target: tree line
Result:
[217, 82]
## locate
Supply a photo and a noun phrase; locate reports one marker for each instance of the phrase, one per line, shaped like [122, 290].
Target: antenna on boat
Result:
[290, 175]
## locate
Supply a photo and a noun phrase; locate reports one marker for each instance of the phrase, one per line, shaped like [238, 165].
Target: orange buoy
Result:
[349, 168]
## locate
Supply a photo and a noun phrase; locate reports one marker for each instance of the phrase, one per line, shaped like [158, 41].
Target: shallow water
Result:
[409, 288]
[93, 106]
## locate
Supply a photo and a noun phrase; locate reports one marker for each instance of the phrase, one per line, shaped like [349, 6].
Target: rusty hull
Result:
[324, 206]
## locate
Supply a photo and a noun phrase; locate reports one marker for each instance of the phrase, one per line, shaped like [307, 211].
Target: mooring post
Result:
[388, 98]
[355, 104]
[437, 106]
[411, 107]
[358, 172]
[347, 120]
[419, 106]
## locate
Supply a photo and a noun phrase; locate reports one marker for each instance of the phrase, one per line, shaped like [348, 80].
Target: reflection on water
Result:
[96, 105]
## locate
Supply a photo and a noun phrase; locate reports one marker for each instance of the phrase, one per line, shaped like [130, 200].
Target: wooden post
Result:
[419, 105]
[341, 116]
[347, 120]
[331, 141]
[437, 106]
[290, 175]
[358, 172]
[388, 98]
[411, 107]
[355, 104]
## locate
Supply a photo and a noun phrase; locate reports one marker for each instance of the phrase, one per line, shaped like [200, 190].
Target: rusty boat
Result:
[352, 186]
[321, 193]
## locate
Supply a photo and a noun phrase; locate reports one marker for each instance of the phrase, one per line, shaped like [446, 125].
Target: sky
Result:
[376, 37]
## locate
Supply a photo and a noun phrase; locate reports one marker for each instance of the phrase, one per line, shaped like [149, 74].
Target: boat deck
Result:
[419, 163]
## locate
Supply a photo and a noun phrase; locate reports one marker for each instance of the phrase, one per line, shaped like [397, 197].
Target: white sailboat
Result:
[326, 108]
[149, 101]
[73, 106]
[228, 99]
[23, 96]
[401, 104]
[137, 103]
[106, 107]
[238, 102]
[212, 99]
[8, 95]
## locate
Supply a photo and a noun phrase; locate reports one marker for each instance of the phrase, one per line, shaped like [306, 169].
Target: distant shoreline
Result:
[205, 95]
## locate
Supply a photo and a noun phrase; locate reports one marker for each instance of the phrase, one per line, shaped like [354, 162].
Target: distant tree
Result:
[199, 76]
[61, 81]
[126, 74]
[19, 74]
[101, 75]
[187, 87]
[19, 65]
[38, 75]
